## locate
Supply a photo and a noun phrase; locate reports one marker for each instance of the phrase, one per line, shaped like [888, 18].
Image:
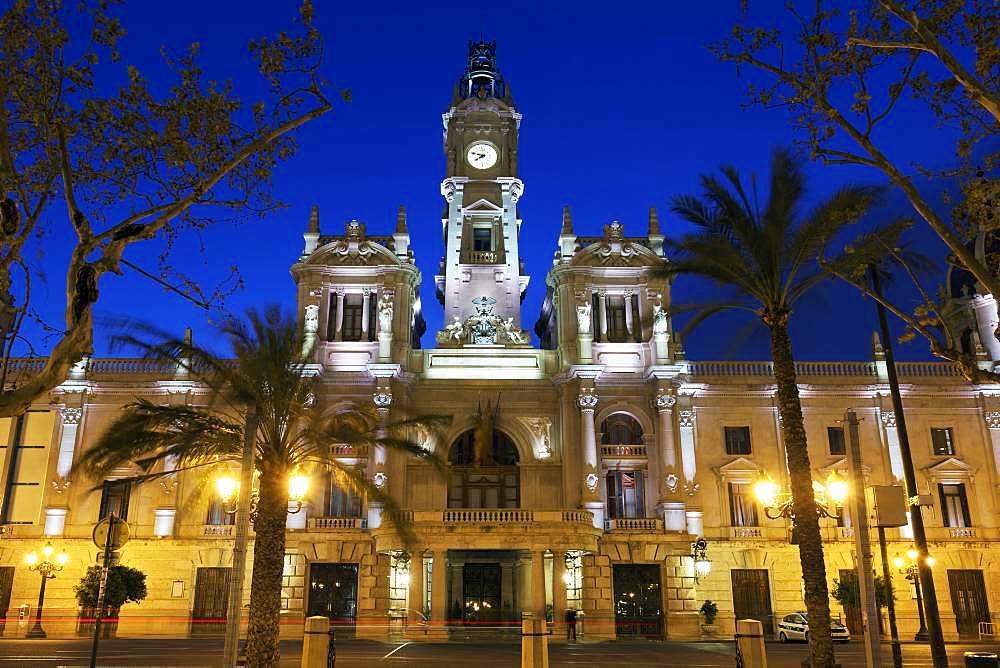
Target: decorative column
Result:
[538, 583]
[382, 398]
[669, 482]
[558, 586]
[993, 425]
[55, 514]
[385, 309]
[691, 487]
[584, 323]
[628, 314]
[340, 316]
[365, 313]
[603, 303]
[587, 400]
[415, 603]
[439, 593]
[892, 442]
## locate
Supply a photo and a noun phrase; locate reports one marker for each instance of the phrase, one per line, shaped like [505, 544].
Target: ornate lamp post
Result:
[228, 487]
[911, 571]
[777, 503]
[46, 568]
[702, 564]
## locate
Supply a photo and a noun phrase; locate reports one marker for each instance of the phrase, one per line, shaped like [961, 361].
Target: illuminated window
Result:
[625, 494]
[620, 429]
[942, 441]
[742, 509]
[954, 506]
[217, 515]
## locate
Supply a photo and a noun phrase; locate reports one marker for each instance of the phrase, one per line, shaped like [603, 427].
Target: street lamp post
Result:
[911, 571]
[240, 500]
[46, 568]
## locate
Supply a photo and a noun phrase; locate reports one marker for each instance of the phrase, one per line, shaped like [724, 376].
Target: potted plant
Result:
[709, 610]
[125, 585]
[847, 592]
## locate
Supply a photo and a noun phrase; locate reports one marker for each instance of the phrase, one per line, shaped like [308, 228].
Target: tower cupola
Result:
[481, 78]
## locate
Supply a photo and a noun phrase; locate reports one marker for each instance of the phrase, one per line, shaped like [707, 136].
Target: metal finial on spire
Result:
[567, 221]
[654, 222]
[401, 219]
[314, 219]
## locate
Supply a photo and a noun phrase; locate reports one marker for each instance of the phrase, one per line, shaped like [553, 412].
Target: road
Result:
[366, 654]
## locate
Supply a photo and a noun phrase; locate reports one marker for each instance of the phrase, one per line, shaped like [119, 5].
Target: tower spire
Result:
[567, 222]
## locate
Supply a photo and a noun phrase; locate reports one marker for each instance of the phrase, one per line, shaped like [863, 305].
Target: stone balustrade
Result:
[623, 451]
[217, 530]
[637, 524]
[338, 523]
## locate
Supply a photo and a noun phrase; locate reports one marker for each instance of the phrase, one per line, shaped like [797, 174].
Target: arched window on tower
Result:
[621, 429]
[493, 486]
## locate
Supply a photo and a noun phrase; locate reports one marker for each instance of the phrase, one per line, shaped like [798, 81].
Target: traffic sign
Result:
[119, 537]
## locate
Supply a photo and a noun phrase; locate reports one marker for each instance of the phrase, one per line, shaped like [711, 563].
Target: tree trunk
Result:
[268, 564]
[806, 519]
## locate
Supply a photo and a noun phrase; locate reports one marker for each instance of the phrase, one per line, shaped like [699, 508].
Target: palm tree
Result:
[264, 392]
[768, 258]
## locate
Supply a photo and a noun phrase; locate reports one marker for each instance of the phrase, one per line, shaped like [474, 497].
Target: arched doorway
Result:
[494, 486]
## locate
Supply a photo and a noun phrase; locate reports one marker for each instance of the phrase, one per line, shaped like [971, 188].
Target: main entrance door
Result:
[480, 593]
[638, 600]
[211, 595]
[752, 596]
[968, 600]
[333, 592]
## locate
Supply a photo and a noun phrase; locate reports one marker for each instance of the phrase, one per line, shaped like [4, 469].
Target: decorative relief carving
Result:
[484, 327]
[540, 428]
[671, 482]
[385, 307]
[583, 315]
[661, 324]
[664, 400]
[587, 399]
[992, 419]
[614, 250]
[354, 249]
[382, 397]
[311, 319]
[71, 415]
[889, 419]
[60, 484]
[686, 418]
[691, 487]
[379, 479]
[591, 481]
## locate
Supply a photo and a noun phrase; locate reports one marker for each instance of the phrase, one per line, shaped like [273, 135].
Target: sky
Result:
[624, 107]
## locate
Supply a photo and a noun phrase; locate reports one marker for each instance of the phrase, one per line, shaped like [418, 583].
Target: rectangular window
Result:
[351, 324]
[114, 499]
[595, 316]
[942, 441]
[482, 239]
[24, 449]
[737, 440]
[954, 506]
[339, 502]
[617, 329]
[835, 437]
[742, 510]
[217, 515]
[625, 494]
[636, 319]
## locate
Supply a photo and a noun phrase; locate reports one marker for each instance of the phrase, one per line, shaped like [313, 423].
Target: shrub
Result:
[710, 609]
[125, 585]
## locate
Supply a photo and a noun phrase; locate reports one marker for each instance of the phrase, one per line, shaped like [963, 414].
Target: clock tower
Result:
[481, 268]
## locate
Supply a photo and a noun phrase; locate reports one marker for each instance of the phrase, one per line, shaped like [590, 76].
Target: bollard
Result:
[750, 644]
[534, 642]
[316, 642]
[981, 660]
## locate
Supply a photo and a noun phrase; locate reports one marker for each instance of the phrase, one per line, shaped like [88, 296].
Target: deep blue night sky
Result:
[623, 108]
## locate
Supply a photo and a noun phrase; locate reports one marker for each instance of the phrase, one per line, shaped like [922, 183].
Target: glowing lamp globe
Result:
[930, 561]
[31, 559]
[898, 562]
[766, 491]
[912, 554]
[226, 485]
[836, 488]
[702, 567]
[298, 487]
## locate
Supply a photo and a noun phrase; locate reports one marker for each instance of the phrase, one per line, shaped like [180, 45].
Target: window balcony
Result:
[623, 451]
[481, 257]
[634, 525]
[217, 530]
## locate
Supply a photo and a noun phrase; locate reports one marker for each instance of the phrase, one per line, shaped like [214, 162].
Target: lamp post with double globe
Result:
[46, 568]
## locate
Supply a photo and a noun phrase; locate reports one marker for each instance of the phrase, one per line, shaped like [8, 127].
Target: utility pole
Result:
[234, 604]
[897, 652]
[862, 543]
[939, 655]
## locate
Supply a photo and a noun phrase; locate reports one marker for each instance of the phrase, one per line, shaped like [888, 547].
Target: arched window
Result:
[494, 486]
[621, 429]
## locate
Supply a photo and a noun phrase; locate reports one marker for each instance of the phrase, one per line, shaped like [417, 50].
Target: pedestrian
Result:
[570, 624]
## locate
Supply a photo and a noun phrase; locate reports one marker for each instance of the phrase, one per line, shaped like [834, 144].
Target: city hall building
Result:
[611, 451]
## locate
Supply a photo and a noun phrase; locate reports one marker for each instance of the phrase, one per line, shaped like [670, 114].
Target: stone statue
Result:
[482, 437]
[385, 312]
[660, 323]
[583, 321]
[311, 325]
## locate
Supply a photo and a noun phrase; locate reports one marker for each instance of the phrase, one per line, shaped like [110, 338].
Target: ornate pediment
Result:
[740, 468]
[354, 249]
[483, 206]
[952, 467]
[614, 249]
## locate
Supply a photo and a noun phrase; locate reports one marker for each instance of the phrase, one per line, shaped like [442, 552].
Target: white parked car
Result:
[796, 627]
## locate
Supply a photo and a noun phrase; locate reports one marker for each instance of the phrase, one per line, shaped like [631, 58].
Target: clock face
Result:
[481, 155]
